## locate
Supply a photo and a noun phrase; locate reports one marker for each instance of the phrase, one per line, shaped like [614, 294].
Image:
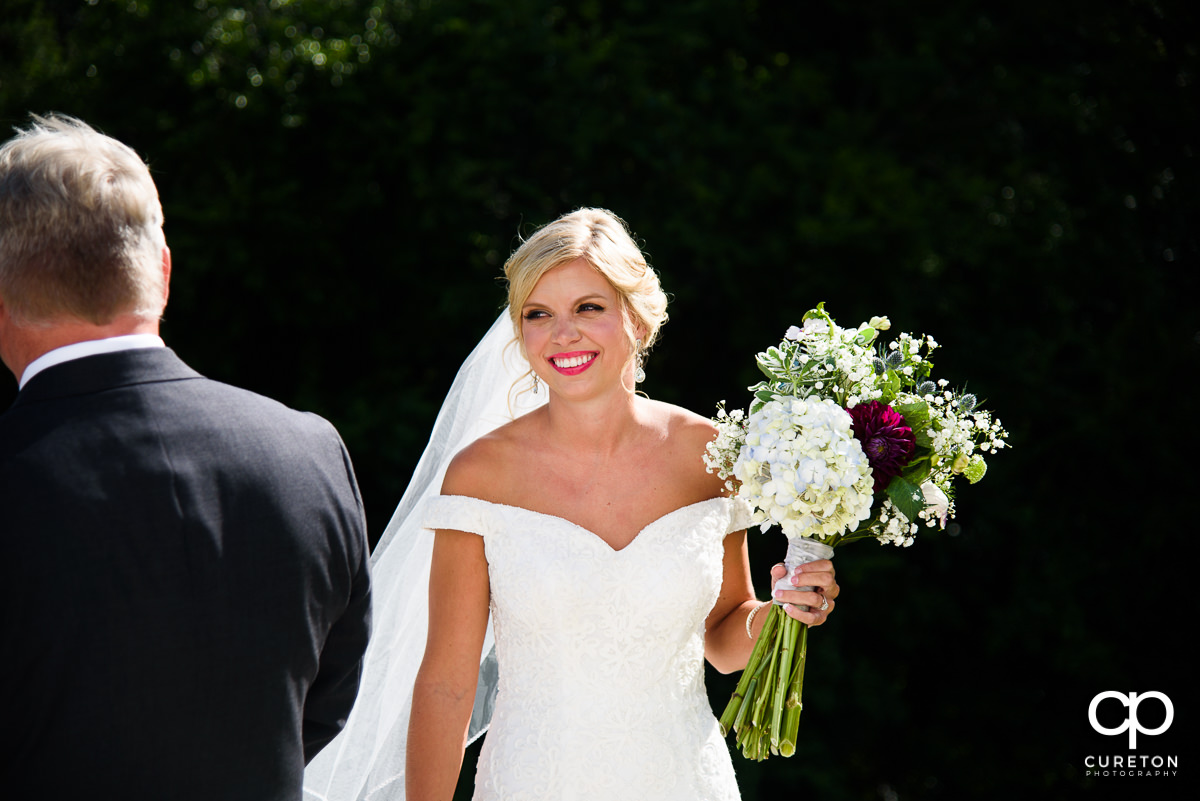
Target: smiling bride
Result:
[586, 537]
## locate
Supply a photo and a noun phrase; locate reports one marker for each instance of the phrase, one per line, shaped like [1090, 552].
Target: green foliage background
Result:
[343, 179]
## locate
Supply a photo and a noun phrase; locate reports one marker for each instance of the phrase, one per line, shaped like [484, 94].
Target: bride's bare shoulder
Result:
[681, 423]
[479, 470]
[685, 435]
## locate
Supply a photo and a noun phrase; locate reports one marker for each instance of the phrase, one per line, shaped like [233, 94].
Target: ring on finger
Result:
[824, 604]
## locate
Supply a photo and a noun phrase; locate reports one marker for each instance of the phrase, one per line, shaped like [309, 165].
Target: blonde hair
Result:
[80, 226]
[603, 240]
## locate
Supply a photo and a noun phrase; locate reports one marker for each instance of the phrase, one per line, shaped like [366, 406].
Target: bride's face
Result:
[574, 332]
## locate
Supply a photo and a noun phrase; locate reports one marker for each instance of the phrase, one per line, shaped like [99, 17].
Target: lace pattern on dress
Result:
[602, 698]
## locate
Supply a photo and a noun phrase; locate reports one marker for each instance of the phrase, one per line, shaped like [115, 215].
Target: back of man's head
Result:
[80, 227]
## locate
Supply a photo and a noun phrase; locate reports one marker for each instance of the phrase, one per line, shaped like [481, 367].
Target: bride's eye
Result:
[584, 307]
[534, 314]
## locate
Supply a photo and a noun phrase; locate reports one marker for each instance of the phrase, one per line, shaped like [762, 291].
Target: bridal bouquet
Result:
[845, 440]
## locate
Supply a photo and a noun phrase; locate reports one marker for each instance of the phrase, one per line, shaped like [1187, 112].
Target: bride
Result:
[587, 537]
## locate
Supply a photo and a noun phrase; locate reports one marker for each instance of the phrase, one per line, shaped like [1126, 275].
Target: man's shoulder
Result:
[153, 389]
[236, 405]
[210, 389]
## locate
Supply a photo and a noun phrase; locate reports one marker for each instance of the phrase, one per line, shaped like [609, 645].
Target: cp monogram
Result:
[1131, 723]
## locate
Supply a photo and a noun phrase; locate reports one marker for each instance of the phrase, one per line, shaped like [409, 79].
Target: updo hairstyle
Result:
[603, 240]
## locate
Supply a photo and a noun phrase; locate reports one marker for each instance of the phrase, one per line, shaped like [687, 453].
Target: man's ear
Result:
[166, 269]
[6, 334]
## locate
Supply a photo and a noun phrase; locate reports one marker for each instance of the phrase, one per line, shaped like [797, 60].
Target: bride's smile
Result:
[573, 363]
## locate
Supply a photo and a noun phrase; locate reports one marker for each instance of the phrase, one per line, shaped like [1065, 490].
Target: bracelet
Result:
[750, 617]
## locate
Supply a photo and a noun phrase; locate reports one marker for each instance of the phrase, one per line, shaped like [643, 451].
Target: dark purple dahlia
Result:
[886, 441]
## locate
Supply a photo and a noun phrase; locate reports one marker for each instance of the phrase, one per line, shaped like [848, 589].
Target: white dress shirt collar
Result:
[89, 348]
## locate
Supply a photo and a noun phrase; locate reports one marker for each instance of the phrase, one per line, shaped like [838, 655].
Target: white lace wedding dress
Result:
[601, 676]
[601, 682]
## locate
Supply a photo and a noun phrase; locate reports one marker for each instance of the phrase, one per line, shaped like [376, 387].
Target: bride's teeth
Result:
[574, 361]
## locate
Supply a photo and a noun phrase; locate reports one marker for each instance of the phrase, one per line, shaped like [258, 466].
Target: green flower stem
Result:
[762, 685]
[765, 709]
[784, 676]
[743, 692]
[752, 745]
[758, 715]
[794, 704]
[742, 708]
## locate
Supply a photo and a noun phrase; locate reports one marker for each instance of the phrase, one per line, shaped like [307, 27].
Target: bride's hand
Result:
[811, 607]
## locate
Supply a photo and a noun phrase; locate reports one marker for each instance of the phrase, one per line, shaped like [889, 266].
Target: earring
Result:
[536, 384]
[639, 374]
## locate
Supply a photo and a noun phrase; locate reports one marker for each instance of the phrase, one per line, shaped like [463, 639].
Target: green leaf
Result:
[919, 468]
[922, 437]
[916, 417]
[761, 397]
[890, 386]
[816, 314]
[771, 363]
[906, 496]
[976, 469]
[866, 336]
[915, 413]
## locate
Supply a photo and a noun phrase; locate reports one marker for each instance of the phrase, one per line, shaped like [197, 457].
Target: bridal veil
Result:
[366, 760]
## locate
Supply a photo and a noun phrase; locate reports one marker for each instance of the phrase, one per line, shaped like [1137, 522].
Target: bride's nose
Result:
[565, 330]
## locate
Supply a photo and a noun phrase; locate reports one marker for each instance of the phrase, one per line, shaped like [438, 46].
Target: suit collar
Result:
[105, 371]
[88, 347]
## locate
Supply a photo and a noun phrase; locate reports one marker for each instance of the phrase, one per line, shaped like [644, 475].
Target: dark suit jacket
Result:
[184, 591]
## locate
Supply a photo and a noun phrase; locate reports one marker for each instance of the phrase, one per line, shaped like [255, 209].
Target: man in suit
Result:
[184, 589]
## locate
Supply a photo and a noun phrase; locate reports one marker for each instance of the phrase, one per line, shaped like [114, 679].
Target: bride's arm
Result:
[690, 433]
[726, 645]
[444, 692]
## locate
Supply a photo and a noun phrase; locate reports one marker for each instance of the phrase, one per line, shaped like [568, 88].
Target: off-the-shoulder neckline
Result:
[586, 530]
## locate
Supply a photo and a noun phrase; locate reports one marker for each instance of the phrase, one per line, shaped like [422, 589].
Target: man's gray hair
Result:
[80, 226]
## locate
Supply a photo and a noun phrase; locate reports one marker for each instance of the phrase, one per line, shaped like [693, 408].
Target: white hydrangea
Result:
[801, 468]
